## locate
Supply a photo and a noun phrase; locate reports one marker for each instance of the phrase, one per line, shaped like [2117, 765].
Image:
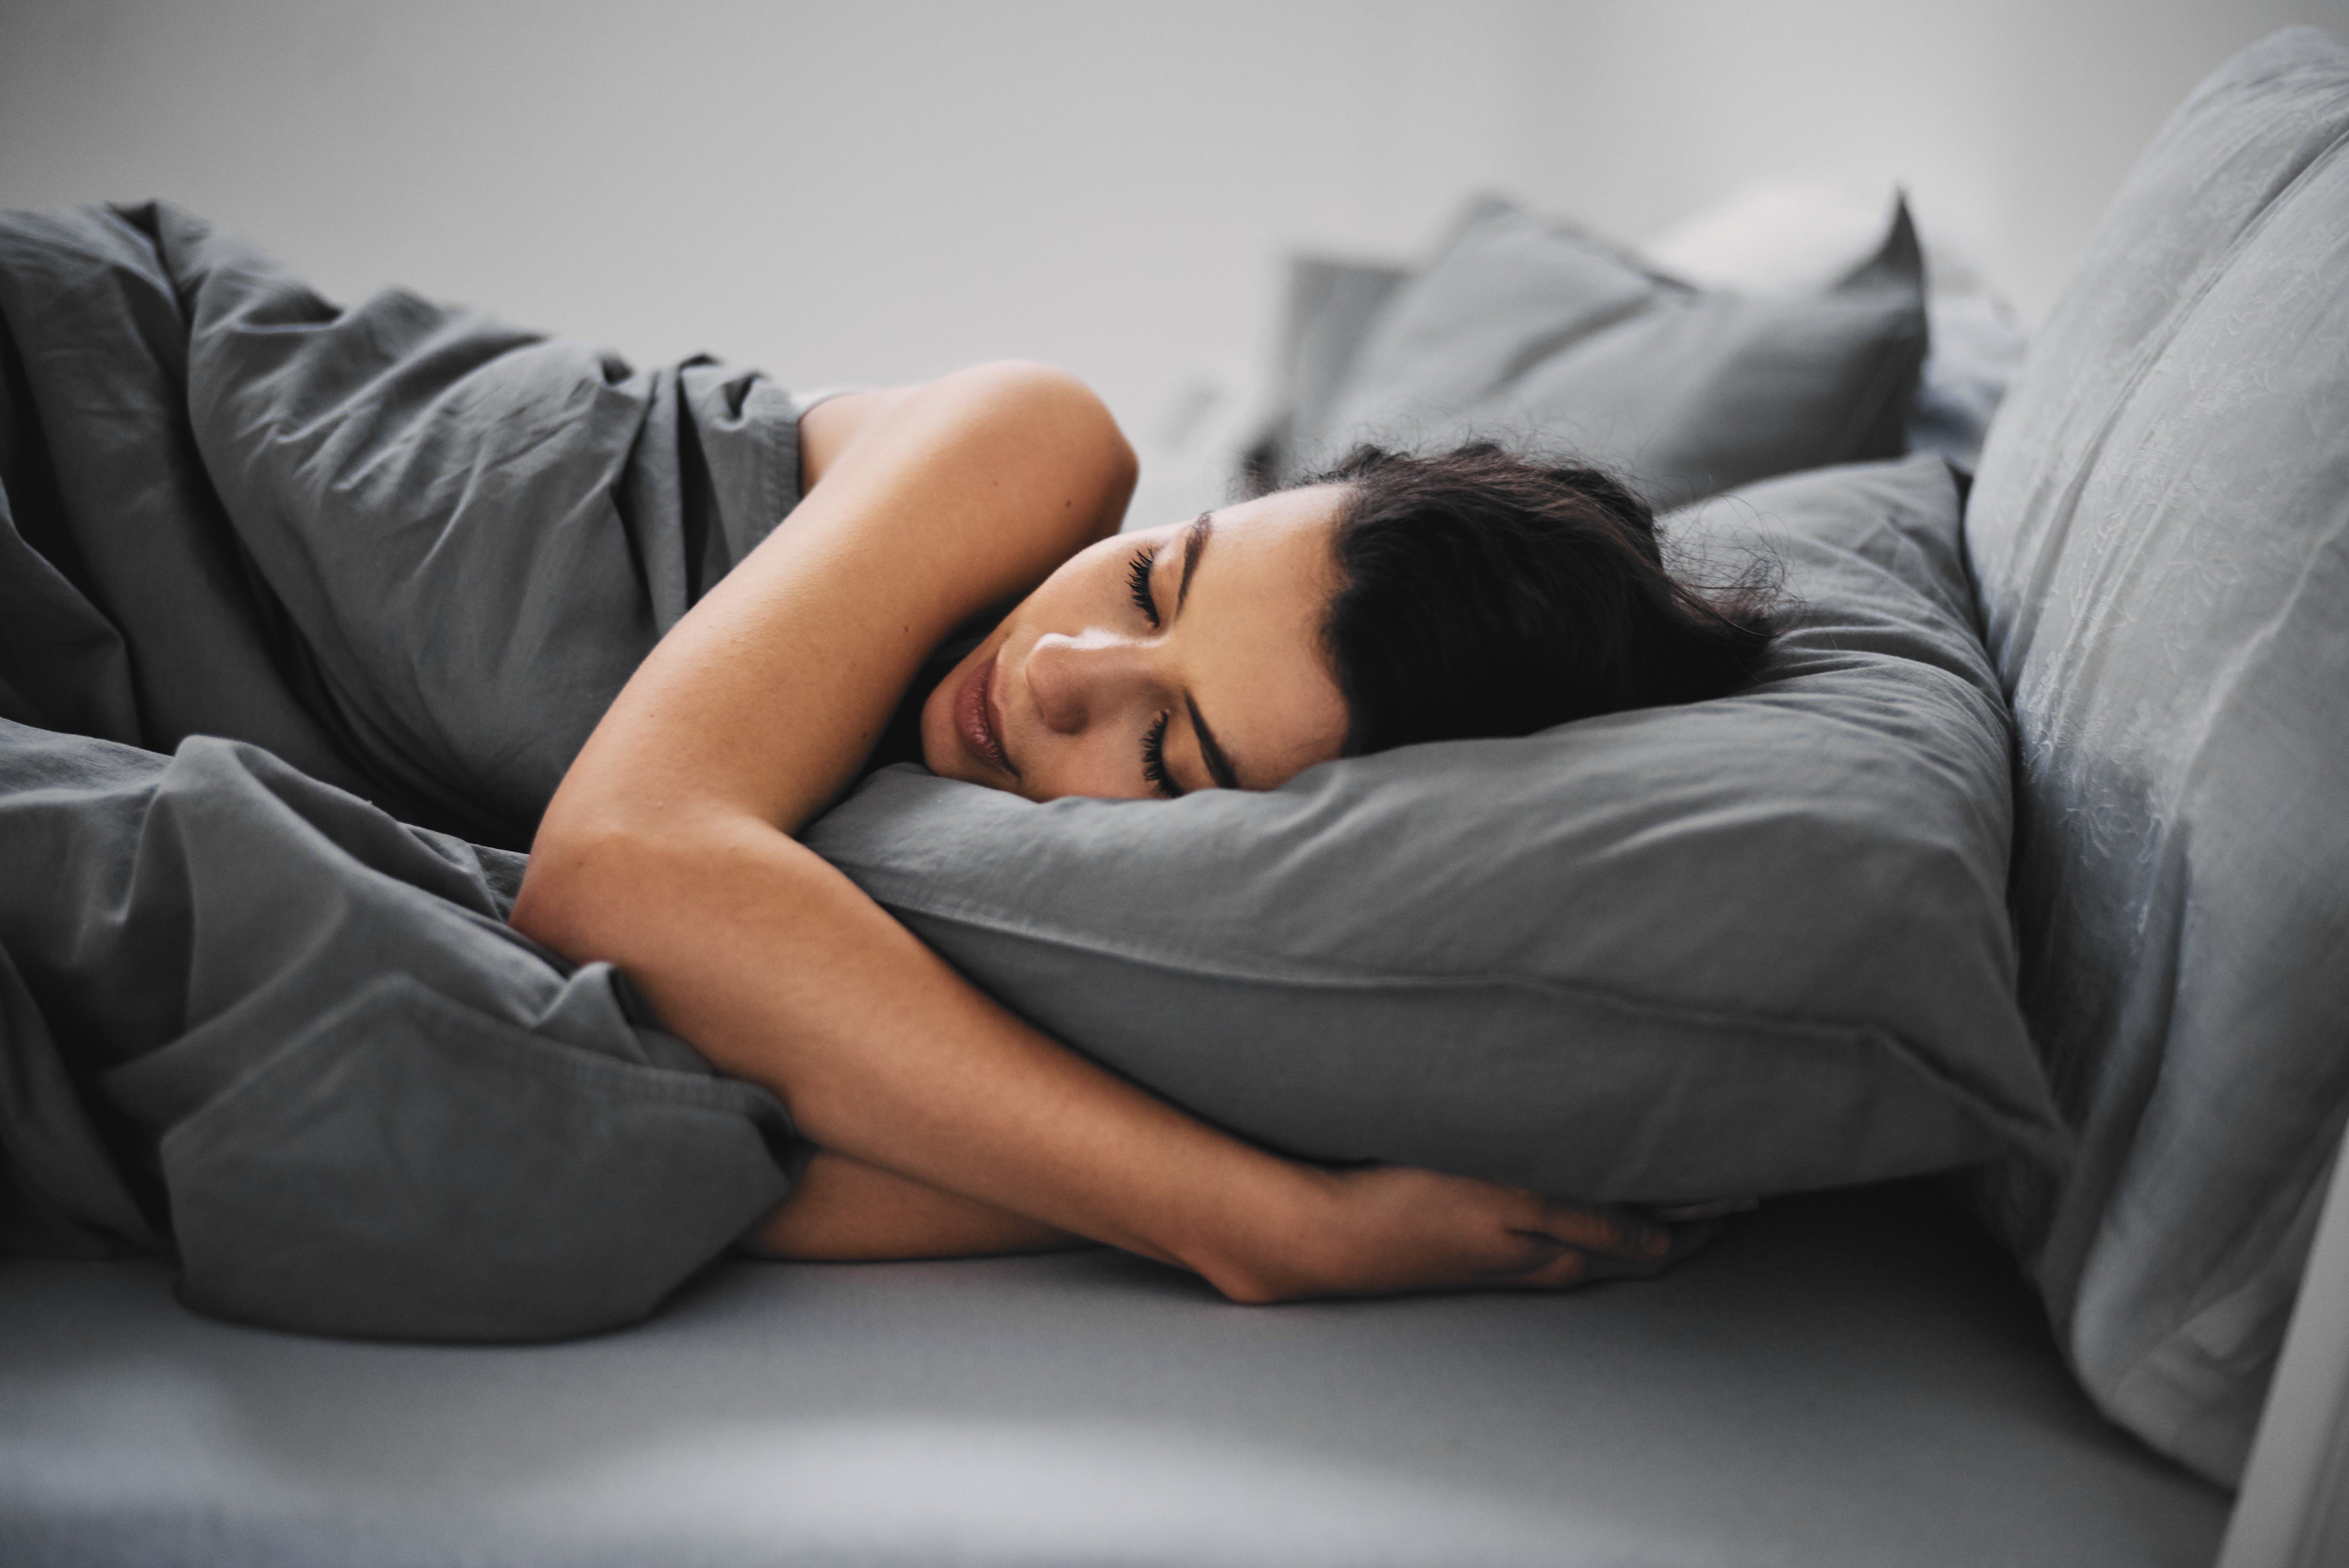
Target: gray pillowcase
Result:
[2159, 537]
[1332, 306]
[1743, 946]
[1533, 331]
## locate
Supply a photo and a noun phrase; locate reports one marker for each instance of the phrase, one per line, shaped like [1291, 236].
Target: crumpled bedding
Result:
[304, 611]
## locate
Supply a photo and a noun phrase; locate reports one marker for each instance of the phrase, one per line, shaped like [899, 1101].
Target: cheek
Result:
[1082, 579]
[941, 753]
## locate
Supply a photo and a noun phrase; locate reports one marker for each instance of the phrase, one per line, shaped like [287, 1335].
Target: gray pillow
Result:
[1744, 946]
[1332, 308]
[2158, 534]
[1535, 331]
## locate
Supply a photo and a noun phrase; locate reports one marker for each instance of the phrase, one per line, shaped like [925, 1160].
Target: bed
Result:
[2062, 1354]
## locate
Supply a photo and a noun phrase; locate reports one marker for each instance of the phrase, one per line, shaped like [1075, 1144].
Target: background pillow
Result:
[2159, 536]
[1332, 306]
[1795, 235]
[1525, 327]
[1748, 946]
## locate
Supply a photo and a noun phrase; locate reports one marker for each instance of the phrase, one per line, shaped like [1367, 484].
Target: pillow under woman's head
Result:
[1752, 945]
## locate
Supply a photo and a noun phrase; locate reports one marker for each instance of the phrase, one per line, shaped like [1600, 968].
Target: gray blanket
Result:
[258, 1004]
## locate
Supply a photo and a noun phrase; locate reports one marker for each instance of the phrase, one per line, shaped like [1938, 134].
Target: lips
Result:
[974, 718]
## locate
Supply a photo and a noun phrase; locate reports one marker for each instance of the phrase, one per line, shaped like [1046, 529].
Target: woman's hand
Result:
[1365, 1232]
[1390, 1229]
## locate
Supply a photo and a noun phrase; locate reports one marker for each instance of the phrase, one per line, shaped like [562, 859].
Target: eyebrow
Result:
[1195, 544]
[1219, 765]
[1201, 528]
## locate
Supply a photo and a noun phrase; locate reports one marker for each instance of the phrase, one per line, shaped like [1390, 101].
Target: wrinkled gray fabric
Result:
[1974, 347]
[1753, 945]
[1977, 348]
[246, 1015]
[372, 1108]
[409, 549]
[1848, 1381]
[2159, 536]
[1535, 333]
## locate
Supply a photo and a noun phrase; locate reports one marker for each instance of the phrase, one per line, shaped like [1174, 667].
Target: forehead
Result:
[1252, 628]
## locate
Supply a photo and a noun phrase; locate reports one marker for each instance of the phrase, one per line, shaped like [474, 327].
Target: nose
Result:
[1078, 680]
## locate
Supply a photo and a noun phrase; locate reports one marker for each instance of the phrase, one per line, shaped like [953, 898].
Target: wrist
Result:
[1272, 1243]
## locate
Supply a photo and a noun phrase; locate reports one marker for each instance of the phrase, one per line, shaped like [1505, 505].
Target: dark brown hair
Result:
[1486, 594]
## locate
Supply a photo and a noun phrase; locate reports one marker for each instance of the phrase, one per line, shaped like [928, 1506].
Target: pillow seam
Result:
[2024, 1129]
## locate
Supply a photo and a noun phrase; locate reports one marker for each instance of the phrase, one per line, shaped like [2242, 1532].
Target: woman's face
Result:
[1156, 662]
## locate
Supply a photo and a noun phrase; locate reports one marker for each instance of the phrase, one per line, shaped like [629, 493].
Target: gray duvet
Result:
[403, 557]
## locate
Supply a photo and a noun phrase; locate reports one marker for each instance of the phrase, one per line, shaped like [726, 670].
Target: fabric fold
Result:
[352, 568]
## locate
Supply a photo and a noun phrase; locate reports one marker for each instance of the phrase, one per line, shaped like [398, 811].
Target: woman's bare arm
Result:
[844, 1210]
[668, 852]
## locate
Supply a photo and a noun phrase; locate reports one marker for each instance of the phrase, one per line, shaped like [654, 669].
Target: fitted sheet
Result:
[1851, 1378]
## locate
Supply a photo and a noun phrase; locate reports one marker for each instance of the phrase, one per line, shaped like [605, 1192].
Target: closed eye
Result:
[1137, 574]
[1153, 761]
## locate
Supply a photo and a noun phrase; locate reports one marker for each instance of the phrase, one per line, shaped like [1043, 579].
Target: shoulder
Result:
[1021, 392]
[1037, 466]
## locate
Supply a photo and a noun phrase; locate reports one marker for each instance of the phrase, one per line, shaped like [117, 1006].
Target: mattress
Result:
[1853, 1378]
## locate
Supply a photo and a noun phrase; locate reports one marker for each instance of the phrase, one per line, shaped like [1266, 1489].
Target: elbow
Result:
[617, 881]
[570, 891]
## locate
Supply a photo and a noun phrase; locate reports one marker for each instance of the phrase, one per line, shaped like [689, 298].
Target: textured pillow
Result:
[1744, 946]
[1524, 327]
[2161, 536]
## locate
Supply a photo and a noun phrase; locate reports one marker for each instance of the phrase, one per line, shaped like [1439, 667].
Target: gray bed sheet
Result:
[1850, 1378]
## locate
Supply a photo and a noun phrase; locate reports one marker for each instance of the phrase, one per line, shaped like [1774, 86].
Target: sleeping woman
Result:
[1397, 600]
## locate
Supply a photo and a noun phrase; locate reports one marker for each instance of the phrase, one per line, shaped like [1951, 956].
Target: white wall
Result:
[876, 192]
[2010, 121]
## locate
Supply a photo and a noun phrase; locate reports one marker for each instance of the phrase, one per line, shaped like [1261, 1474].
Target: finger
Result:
[1687, 1241]
[1560, 1268]
[1624, 1268]
[1528, 1260]
[1616, 1232]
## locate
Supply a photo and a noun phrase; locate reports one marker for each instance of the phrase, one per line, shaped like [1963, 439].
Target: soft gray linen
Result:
[372, 1108]
[243, 1013]
[1977, 348]
[410, 550]
[1332, 306]
[2159, 535]
[1531, 331]
[1848, 1381]
[1755, 944]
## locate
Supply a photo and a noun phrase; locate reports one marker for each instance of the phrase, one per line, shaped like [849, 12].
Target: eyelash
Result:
[1153, 744]
[1137, 576]
[1153, 761]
